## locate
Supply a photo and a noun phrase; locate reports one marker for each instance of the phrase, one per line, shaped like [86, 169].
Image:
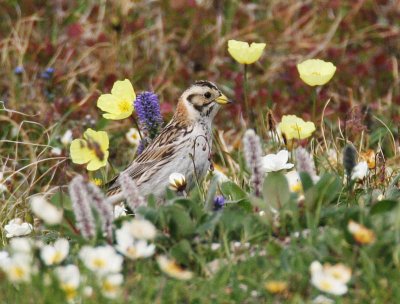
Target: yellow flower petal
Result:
[95, 163]
[92, 150]
[79, 152]
[99, 137]
[316, 71]
[118, 104]
[295, 127]
[244, 53]
[108, 103]
[124, 90]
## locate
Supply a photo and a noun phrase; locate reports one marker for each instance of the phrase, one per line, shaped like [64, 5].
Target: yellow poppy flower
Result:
[295, 127]
[244, 53]
[118, 104]
[316, 71]
[93, 149]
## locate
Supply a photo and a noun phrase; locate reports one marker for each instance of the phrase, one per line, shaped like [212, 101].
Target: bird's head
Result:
[201, 101]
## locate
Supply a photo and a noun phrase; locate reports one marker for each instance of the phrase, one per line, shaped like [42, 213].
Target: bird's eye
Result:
[207, 95]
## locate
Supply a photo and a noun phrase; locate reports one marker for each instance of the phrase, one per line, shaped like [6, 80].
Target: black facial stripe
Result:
[190, 97]
[205, 83]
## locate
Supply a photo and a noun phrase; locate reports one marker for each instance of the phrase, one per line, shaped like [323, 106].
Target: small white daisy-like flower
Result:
[330, 279]
[177, 182]
[360, 171]
[321, 299]
[21, 245]
[69, 278]
[66, 139]
[276, 162]
[140, 229]
[102, 259]
[294, 181]
[110, 285]
[131, 247]
[172, 269]
[119, 210]
[16, 227]
[56, 151]
[133, 137]
[18, 268]
[56, 253]
[46, 211]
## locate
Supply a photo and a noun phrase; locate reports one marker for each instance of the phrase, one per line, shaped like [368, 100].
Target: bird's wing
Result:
[152, 158]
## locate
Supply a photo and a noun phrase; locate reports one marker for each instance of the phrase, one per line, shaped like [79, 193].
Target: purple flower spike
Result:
[148, 111]
[219, 202]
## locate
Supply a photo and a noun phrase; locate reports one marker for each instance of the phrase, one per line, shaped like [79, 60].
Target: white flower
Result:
[131, 247]
[119, 210]
[140, 229]
[18, 268]
[16, 227]
[133, 137]
[55, 254]
[102, 259]
[276, 162]
[3, 188]
[44, 210]
[321, 299]
[69, 278]
[56, 151]
[21, 245]
[330, 279]
[219, 175]
[171, 268]
[177, 182]
[360, 171]
[110, 285]
[66, 139]
[4, 258]
[294, 181]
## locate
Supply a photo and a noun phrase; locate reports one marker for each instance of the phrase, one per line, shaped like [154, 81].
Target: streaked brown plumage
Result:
[183, 145]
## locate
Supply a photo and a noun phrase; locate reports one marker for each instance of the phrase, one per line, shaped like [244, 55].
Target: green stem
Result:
[314, 101]
[246, 101]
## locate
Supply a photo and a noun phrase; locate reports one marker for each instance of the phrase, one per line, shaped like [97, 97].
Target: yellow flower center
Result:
[132, 252]
[109, 287]
[70, 291]
[97, 181]
[364, 236]
[276, 286]
[172, 267]
[99, 263]
[316, 73]
[17, 272]
[57, 258]
[296, 187]
[326, 285]
[124, 106]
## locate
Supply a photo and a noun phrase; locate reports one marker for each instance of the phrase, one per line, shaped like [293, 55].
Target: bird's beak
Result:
[222, 99]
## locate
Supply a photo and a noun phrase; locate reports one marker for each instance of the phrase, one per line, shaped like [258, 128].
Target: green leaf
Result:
[276, 190]
[230, 189]
[210, 223]
[182, 252]
[383, 206]
[178, 220]
[306, 181]
[325, 191]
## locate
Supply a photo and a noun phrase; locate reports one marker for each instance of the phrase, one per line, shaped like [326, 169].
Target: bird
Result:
[182, 146]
